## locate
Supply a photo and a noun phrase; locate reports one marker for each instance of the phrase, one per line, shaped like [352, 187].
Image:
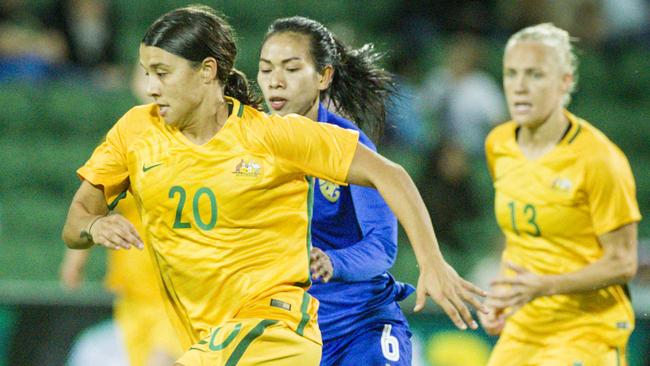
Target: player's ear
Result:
[325, 77]
[208, 69]
[567, 80]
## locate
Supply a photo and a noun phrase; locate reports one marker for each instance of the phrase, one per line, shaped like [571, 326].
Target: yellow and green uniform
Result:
[228, 221]
[138, 308]
[552, 210]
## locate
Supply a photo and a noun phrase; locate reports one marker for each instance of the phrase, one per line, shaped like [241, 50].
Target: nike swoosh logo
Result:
[146, 168]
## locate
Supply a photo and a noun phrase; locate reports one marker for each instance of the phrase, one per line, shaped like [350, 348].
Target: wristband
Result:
[85, 233]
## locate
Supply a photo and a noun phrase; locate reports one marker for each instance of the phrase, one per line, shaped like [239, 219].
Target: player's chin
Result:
[283, 110]
[528, 121]
[171, 120]
[168, 120]
[280, 112]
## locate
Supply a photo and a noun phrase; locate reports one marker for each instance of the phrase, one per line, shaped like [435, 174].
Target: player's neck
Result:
[536, 141]
[208, 119]
[312, 113]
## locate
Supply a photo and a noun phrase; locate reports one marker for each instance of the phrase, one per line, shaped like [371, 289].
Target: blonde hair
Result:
[560, 41]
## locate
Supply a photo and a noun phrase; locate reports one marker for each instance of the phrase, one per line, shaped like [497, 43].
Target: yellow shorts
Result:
[245, 342]
[510, 351]
[146, 331]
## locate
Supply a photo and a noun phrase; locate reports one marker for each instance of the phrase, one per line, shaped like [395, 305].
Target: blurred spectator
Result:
[627, 20]
[91, 31]
[465, 102]
[69, 37]
[405, 127]
[28, 50]
[89, 28]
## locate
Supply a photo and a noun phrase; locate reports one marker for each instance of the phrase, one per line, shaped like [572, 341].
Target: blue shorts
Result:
[378, 344]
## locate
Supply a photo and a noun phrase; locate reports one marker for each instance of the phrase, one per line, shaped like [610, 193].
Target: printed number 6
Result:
[389, 344]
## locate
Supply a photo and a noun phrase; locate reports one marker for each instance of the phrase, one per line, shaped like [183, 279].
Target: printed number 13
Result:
[531, 215]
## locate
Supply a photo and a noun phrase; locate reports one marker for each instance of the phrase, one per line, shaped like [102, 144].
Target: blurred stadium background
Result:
[65, 75]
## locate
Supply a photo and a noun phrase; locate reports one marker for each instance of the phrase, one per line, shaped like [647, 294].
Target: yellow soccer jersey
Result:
[551, 211]
[130, 273]
[228, 220]
[139, 309]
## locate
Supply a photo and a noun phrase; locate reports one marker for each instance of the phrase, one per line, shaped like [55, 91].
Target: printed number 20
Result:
[209, 225]
[531, 216]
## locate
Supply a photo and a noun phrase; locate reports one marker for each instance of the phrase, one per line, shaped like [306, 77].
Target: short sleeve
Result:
[317, 149]
[611, 191]
[107, 167]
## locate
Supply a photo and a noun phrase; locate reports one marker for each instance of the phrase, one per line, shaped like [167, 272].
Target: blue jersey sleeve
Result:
[375, 253]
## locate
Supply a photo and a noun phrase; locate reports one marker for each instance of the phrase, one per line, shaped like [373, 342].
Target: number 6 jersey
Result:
[552, 210]
[227, 222]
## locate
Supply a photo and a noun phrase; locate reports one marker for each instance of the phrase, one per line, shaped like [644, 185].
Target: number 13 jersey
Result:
[552, 210]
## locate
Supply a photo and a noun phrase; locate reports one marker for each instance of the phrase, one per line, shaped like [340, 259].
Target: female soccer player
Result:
[353, 231]
[565, 200]
[224, 196]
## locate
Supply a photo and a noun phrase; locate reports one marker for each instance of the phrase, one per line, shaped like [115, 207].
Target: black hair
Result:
[196, 32]
[360, 88]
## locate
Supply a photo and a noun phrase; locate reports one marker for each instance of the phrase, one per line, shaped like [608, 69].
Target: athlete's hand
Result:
[492, 322]
[115, 232]
[451, 292]
[518, 290]
[321, 265]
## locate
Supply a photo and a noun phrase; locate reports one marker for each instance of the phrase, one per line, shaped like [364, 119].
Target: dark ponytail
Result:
[238, 86]
[197, 32]
[360, 89]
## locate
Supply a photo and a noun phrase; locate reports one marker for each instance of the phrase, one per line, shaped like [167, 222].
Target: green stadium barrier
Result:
[436, 342]
[7, 323]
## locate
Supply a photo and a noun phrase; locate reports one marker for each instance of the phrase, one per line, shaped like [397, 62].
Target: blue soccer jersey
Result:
[358, 231]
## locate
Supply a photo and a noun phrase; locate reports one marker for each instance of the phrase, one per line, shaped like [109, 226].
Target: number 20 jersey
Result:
[227, 221]
[552, 210]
